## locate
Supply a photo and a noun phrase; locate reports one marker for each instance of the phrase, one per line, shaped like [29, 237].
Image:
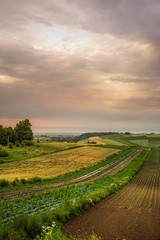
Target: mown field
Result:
[55, 164]
[40, 149]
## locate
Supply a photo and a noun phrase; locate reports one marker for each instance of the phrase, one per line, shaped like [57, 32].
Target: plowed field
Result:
[132, 214]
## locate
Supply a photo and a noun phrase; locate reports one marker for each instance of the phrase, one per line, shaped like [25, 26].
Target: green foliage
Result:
[23, 130]
[23, 144]
[4, 183]
[10, 145]
[28, 143]
[154, 155]
[3, 152]
[3, 136]
[17, 144]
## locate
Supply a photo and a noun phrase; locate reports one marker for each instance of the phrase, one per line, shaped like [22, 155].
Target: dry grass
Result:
[55, 164]
[101, 141]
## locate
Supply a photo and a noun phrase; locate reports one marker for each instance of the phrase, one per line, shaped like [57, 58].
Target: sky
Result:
[79, 66]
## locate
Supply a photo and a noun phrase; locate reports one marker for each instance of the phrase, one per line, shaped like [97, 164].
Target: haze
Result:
[80, 65]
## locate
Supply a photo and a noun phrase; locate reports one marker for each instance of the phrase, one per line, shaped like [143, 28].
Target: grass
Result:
[103, 140]
[28, 152]
[142, 142]
[52, 165]
[154, 155]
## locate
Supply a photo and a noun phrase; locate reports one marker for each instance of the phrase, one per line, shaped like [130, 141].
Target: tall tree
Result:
[3, 136]
[10, 134]
[23, 131]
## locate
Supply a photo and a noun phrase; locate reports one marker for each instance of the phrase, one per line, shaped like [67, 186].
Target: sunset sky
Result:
[80, 65]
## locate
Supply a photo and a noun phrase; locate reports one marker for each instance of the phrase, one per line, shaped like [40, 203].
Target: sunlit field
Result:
[101, 140]
[55, 164]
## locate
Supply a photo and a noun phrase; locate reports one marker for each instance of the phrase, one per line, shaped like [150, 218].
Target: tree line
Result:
[21, 132]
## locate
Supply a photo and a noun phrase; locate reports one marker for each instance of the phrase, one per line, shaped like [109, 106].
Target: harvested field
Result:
[110, 168]
[55, 164]
[133, 213]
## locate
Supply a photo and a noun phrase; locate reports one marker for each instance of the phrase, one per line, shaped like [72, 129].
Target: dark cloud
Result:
[81, 63]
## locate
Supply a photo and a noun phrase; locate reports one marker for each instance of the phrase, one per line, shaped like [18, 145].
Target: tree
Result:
[3, 135]
[23, 131]
[10, 135]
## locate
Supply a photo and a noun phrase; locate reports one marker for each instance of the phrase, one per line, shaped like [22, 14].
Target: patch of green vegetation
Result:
[154, 155]
[142, 142]
[19, 153]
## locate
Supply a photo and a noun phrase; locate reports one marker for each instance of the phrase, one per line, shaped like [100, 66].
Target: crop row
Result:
[80, 176]
[143, 191]
[71, 200]
[49, 201]
[154, 155]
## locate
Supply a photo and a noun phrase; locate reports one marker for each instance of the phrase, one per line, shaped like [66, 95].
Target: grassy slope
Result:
[55, 164]
[41, 149]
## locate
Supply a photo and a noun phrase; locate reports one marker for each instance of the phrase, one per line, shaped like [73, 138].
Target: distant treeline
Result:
[65, 139]
[94, 134]
[78, 138]
[21, 132]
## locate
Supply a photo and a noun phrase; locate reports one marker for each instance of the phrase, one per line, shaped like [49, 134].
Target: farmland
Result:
[52, 165]
[68, 178]
[137, 205]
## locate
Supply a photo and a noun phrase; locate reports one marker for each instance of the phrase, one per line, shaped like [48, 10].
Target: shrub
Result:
[10, 145]
[23, 181]
[17, 144]
[4, 183]
[28, 143]
[35, 180]
[3, 152]
[15, 182]
[22, 144]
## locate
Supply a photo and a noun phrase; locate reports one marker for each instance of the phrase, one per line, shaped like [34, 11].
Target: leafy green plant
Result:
[17, 144]
[3, 152]
[4, 183]
[10, 145]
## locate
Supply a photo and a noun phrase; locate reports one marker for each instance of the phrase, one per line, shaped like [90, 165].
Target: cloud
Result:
[80, 63]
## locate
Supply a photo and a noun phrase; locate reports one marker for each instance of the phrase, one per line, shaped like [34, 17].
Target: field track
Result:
[109, 169]
[132, 214]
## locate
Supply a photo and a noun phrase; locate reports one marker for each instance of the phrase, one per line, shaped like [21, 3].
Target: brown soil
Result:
[154, 141]
[115, 222]
[132, 214]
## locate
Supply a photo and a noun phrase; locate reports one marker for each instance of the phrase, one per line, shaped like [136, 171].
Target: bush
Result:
[28, 143]
[23, 181]
[17, 144]
[3, 152]
[22, 144]
[15, 182]
[35, 180]
[10, 145]
[4, 183]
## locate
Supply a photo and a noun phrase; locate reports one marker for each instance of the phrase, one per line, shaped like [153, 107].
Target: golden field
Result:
[55, 164]
[101, 141]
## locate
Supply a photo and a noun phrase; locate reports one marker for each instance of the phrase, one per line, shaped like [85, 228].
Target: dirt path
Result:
[132, 214]
[102, 171]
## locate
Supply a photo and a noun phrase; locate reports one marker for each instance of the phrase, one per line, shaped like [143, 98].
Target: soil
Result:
[127, 215]
[115, 222]
[154, 141]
